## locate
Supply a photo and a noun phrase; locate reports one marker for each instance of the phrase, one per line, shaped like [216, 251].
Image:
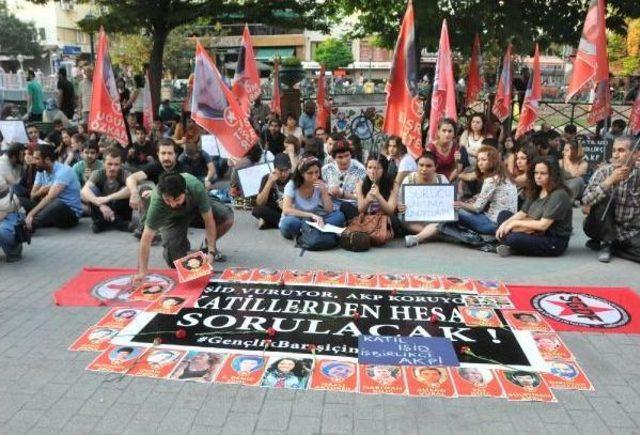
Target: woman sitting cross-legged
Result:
[306, 197]
[498, 194]
[543, 226]
[426, 174]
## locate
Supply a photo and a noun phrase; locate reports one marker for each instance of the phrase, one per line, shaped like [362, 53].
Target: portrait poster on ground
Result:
[429, 382]
[251, 177]
[429, 202]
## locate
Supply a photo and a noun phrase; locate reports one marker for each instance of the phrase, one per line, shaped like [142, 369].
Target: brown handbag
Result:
[377, 226]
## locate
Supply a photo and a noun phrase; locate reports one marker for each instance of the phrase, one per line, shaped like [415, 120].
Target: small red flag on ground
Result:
[324, 108]
[532, 98]
[443, 97]
[246, 81]
[214, 108]
[474, 82]
[105, 116]
[275, 97]
[403, 115]
[147, 112]
[502, 103]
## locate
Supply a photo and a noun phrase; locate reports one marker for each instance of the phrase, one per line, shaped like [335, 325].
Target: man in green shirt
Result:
[178, 200]
[35, 98]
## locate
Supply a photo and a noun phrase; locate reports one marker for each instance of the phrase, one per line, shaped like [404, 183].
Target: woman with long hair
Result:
[498, 194]
[292, 149]
[306, 197]
[524, 157]
[543, 226]
[401, 163]
[473, 135]
[291, 127]
[426, 174]
[450, 156]
[377, 192]
[574, 167]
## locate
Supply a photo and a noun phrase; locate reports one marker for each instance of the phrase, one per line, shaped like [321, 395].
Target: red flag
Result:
[591, 66]
[246, 81]
[147, 112]
[634, 117]
[105, 116]
[531, 98]
[275, 98]
[403, 115]
[443, 97]
[474, 82]
[324, 107]
[502, 103]
[214, 108]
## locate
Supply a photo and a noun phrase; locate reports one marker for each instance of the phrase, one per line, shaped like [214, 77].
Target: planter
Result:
[290, 76]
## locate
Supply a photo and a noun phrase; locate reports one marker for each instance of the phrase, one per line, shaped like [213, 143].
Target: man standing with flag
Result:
[532, 97]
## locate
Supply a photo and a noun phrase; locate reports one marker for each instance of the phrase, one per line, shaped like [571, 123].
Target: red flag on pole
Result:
[634, 117]
[324, 108]
[443, 97]
[147, 111]
[474, 82]
[591, 66]
[275, 97]
[403, 115]
[246, 81]
[532, 98]
[105, 116]
[214, 108]
[502, 103]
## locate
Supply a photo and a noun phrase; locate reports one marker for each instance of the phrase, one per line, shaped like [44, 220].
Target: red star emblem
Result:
[568, 309]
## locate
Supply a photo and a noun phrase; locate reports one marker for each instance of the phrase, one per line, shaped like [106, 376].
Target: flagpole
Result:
[606, 209]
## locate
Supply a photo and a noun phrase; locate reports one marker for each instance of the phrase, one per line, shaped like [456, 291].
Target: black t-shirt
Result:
[556, 206]
[142, 152]
[153, 170]
[275, 144]
[68, 102]
[276, 193]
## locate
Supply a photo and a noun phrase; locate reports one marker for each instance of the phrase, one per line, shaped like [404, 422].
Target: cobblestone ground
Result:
[45, 389]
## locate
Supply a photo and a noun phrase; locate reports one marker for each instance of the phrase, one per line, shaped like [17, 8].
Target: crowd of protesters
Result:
[512, 196]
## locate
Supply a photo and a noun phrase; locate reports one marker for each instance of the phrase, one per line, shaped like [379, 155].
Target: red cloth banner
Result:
[532, 98]
[214, 108]
[275, 97]
[246, 81]
[403, 116]
[105, 116]
[324, 107]
[443, 97]
[502, 103]
[474, 81]
[147, 113]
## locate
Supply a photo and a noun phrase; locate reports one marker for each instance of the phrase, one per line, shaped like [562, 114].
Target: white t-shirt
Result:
[407, 164]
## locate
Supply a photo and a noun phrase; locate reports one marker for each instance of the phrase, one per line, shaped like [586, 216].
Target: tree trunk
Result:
[159, 35]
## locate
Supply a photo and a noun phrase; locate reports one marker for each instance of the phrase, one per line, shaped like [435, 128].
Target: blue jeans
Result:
[8, 234]
[536, 245]
[478, 222]
[290, 226]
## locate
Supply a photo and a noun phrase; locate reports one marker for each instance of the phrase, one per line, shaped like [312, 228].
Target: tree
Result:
[624, 52]
[333, 54]
[16, 37]
[130, 50]
[178, 52]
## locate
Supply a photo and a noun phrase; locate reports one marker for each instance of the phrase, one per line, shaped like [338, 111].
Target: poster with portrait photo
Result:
[170, 304]
[396, 281]
[157, 363]
[486, 301]
[193, 266]
[298, 276]
[333, 375]
[330, 278]
[148, 292]
[521, 386]
[476, 382]
[381, 379]
[567, 375]
[526, 321]
[429, 381]
[266, 274]
[453, 284]
[551, 346]
[198, 366]
[362, 280]
[489, 287]
[480, 317]
[118, 317]
[240, 274]
[116, 359]
[95, 339]
[419, 281]
[291, 373]
[242, 369]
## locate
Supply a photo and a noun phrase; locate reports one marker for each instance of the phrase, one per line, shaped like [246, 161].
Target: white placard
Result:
[210, 144]
[326, 228]
[224, 154]
[251, 177]
[429, 202]
[13, 131]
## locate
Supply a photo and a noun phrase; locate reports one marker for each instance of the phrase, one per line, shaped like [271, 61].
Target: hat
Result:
[282, 161]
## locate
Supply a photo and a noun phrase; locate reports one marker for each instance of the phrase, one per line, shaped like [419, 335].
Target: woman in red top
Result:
[450, 157]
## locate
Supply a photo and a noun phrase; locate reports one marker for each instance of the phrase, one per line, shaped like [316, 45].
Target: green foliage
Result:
[333, 54]
[16, 37]
[130, 50]
[290, 62]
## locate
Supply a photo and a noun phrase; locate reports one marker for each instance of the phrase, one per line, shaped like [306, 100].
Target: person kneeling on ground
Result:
[107, 195]
[306, 196]
[618, 232]
[175, 203]
[268, 209]
[543, 226]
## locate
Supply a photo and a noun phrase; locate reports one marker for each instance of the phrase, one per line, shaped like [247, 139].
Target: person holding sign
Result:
[426, 174]
[268, 209]
[614, 191]
[543, 226]
[306, 196]
[498, 193]
[574, 166]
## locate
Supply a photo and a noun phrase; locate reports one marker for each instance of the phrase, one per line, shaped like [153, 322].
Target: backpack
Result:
[312, 239]
[355, 241]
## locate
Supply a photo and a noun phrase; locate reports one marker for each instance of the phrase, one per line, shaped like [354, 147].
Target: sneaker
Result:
[411, 241]
[503, 250]
[219, 257]
[137, 233]
[593, 245]
[605, 254]
[96, 228]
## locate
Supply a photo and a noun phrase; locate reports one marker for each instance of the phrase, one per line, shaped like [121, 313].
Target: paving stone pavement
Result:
[44, 388]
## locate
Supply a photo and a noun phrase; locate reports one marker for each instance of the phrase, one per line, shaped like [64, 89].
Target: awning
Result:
[268, 54]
